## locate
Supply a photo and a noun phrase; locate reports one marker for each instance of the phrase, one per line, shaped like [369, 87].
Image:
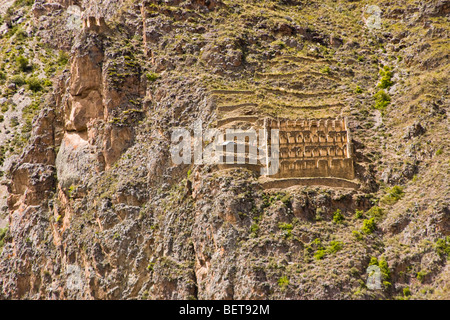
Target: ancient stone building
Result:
[314, 148]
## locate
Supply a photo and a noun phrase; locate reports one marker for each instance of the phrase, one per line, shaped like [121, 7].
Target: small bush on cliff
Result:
[442, 247]
[152, 77]
[34, 84]
[338, 217]
[386, 78]
[358, 89]
[375, 212]
[283, 282]
[393, 195]
[358, 236]
[23, 64]
[359, 214]
[287, 229]
[369, 226]
[382, 100]
[18, 80]
[63, 58]
[335, 246]
[22, 3]
[326, 70]
[3, 233]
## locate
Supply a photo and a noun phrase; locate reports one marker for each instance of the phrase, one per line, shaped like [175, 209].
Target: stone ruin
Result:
[307, 149]
[314, 148]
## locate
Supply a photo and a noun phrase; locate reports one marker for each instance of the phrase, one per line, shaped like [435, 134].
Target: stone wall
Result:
[314, 148]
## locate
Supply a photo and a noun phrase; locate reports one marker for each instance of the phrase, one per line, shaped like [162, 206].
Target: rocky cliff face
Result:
[94, 208]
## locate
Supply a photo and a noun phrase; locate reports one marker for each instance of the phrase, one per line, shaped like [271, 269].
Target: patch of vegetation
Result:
[3, 233]
[63, 58]
[319, 214]
[17, 79]
[421, 275]
[382, 100]
[358, 89]
[283, 282]
[335, 246]
[369, 226]
[375, 212]
[23, 64]
[393, 195]
[14, 122]
[359, 214]
[358, 236]
[406, 292]
[384, 270]
[286, 199]
[152, 77]
[254, 230]
[386, 78]
[34, 84]
[320, 253]
[287, 229]
[442, 247]
[338, 217]
[326, 70]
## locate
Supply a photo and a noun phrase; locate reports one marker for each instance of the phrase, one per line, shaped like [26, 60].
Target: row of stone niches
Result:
[314, 151]
[304, 137]
[339, 168]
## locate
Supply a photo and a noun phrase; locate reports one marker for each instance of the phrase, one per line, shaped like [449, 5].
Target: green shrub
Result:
[439, 152]
[338, 217]
[358, 236]
[421, 275]
[14, 122]
[335, 246]
[3, 233]
[386, 78]
[442, 247]
[254, 230]
[286, 200]
[18, 80]
[359, 214]
[384, 268]
[369, 226]
[375, 212]
[382, 100]
[287, 228]
[63, 58]
[326, 70]
[23, 64]
[393, 195]
[406, 292]
[358, 89]
[319, 254]
[152, 76]
[34, 84]
[373, 261]
[283, 282]
[2, 76]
